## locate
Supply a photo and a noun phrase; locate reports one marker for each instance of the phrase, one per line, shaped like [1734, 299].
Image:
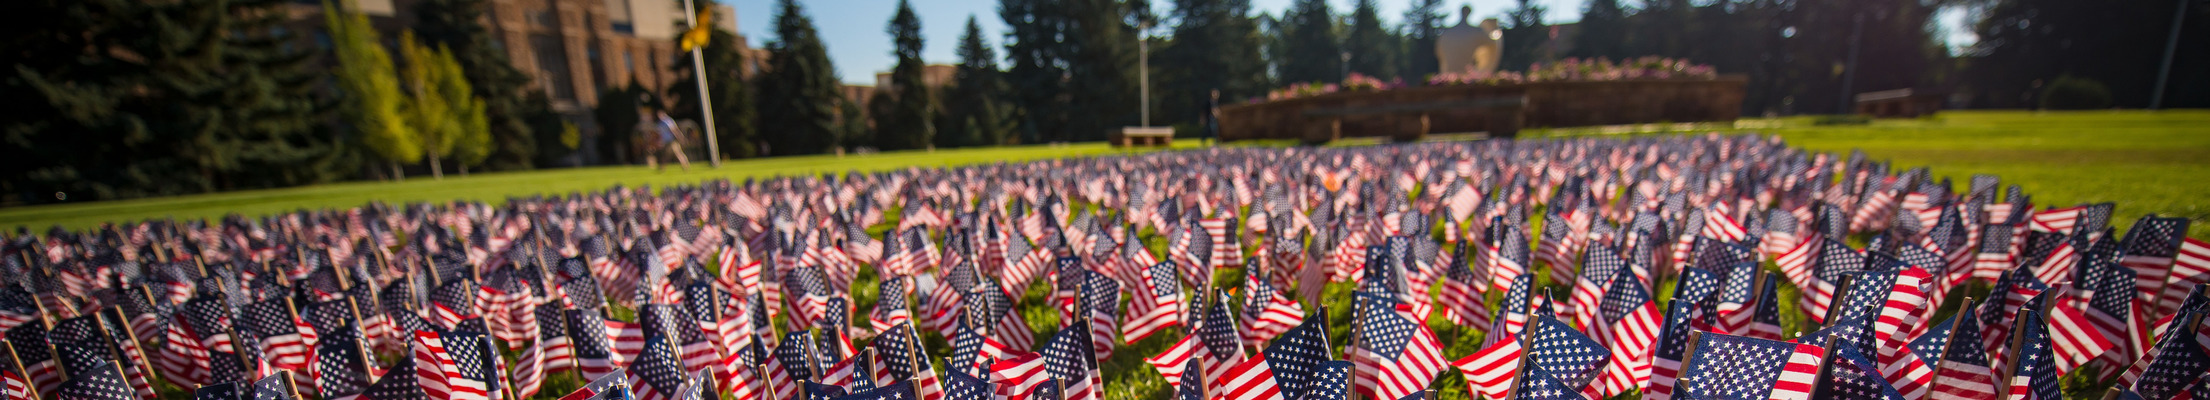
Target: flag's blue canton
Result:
[1852, 376]
[1218, 331]
[1101, 294]
[2093, 219]
[1600, 262]
[1995, 239]
[1515, 298]
[1779, 220]
[473, 356]
[103, 382]
[278, 387]
[990, 301]
[1768, 310]
[1696, 285]
[1837, 259]
[613, 382]
[2040, 245]
[1915, 255]
[894, 348]
[338, 357]
[398, 383]
[891, 294]
[227, 366]
[1626, 294]
[586, 345]
[818, 391]
[1853, 332]
[1573, 357]
[838, 318]
[1332, 382]
[77, 342]
[2156, 237]
[967, 350]
[1513, 246]
[1068, 355]
[2037, 359]
[702, 303]
[1051, 389]
[1458, 271]
[1673, 338]
[890, 392]
[1381, 329]
[472, 325]
[663, 319]
[221, 391]
[1163, 281]
[1733, 367]
[965, 386]
[1192, 386]
[323, 315]
[2113, 286]
[796, 354]
[458, 295]
[1720, 256]
[1296, 355]
[270, 318]
[1738, 284]
[862, 375]
[2179, 360]
[1381, 273]
[1866, 294]
[1966, 334]
[1535, 384]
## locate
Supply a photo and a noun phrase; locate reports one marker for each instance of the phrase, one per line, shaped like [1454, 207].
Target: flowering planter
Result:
[1499, 109]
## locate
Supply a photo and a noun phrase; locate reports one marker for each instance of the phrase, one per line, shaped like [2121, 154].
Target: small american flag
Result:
[340, 369]
[1963, 371]
[1396, 355]
[1632, 320]
[2034, 375]
[104, 382]
[2150, 249]
[594, 352]
[1727, 366]
[1067, 356]
[1849, 375]
[1157, 307]
[658, 372]
[1298, 356]
[2169, 368]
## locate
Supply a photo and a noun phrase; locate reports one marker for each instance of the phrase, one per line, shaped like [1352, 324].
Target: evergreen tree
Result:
[1372, 47]
[734, 116]
[1311, 53]
[1422, 25]
[974, 115]
[799, 94]
[1036, 71]
[1215, 47]
[373, 105]
[1101, 69]
[274, 117]
[557, 139]
[1603, 31]
[851, 124]
[459, 25]
[1525, 34]
[912, 117]
[617, 122]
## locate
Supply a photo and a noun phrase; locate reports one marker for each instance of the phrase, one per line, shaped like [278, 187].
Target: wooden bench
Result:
[1410, 120]
[1145, 135]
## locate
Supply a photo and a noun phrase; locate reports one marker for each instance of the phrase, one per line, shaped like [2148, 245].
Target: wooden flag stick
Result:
[16, 363]
[1946, 344]
[129, 336]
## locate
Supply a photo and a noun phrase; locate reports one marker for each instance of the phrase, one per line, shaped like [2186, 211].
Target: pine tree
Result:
[735, 120]
[373, 105]
[799, 94]
[1215, 47]
[1422, 25]
[274, 116]
[912, 116]
[1035, 70]
[974, 114]
[1312, 53]
[458, 25]
[1525, 34]
[1603, 31]
[1373, 48]
[1101, 68]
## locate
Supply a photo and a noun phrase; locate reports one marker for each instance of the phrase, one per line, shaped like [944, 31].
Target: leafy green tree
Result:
[912, 116]
[974, 112]
[1312, 53]
[1422, 25]
[459, 25]
[374, 106]
[799, 94]
[735, 118]
[446, 116]
[1373, 48]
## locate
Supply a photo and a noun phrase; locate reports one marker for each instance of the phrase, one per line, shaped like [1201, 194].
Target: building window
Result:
[544, 17]
[552, 65]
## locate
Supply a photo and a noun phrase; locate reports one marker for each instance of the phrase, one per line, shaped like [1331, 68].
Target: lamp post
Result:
[1143, 70]
[2164, 72]
[705, 103]
[1346, 67]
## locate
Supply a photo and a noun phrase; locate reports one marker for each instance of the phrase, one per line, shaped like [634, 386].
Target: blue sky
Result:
[859, 46]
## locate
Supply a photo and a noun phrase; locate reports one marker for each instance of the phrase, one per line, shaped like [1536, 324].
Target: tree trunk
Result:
[396, 174]
[436, 170]
[464, 170]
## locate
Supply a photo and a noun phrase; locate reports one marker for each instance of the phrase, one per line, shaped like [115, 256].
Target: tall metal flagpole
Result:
[705, 103]
[1143, 71]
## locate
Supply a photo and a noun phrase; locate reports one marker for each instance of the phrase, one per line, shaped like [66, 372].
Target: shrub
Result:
[2069, 93]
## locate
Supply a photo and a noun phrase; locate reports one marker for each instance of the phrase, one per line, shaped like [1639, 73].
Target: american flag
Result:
[2169, 368]
[1462, 291]
[1631, 316]
[963, 385]
[1600, 263]
[1963, 370]
[2190, 268]
[1266, 309]
[1252, 379]
[1507, 254]
[1728, 366]
[1157, 307]
[888, 392]
[1681, 318]
[1536, 384]
[594, 351]
[340, 363]
[1298, 356]
[404, 382]
[1396, 355]
[1068, 357]
[616, 385]
[900, 357]
[13, 387]
[658, 372]
[1849, 375]
[2150, 249]
[103, 382]
[284, 337]
[2033, 376]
